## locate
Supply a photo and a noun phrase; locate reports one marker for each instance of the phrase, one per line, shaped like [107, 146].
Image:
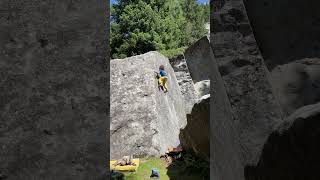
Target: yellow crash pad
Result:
[125, 168]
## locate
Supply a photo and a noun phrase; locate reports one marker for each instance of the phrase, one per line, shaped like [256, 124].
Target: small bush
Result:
[196, 164]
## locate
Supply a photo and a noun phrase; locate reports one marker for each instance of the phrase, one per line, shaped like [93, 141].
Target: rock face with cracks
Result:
[254, 107]
[144, 120]
[224, 139]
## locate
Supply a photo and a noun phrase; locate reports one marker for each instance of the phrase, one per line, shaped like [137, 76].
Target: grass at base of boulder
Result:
[144, 170]
[173, 52]
[197, 170]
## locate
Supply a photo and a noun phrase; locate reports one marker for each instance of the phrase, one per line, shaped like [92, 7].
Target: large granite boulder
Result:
[297, 84]
[144, 120]
[292, 149]
[185, 82]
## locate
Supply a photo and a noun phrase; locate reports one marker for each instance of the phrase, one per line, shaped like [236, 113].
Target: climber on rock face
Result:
[163, 78]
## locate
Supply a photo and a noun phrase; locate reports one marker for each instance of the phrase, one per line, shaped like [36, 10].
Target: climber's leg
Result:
[165, 84]
[161, 83]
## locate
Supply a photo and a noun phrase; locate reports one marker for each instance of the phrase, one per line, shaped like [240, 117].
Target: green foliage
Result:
[144, 170]
[205, 9]
[195, 164]
[170, 53]
[139, 26]
[178, 171]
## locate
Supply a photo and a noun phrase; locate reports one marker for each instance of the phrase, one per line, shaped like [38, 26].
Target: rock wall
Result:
[185, 82]
[285, 30]
[54, 90]
[224, 133]
[144, 120]
[255, 109]
[270, 146]
[287, 35]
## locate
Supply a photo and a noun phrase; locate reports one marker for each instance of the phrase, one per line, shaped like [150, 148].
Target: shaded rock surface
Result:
[224, 133]
[144, 120]
[254, 108]
[297, 84]
[195, 136]
[285, 30]
[54, 90]
[292, 149]
[185, 82]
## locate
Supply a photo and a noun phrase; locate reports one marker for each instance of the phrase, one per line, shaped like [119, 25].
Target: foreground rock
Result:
[225, 156]
[195, 136]
[144, 120]
[54, 90]
[239, 139]
[292, 150]
[185, 81]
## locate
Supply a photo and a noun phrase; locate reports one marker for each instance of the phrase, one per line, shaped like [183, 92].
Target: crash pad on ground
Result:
[125, 168]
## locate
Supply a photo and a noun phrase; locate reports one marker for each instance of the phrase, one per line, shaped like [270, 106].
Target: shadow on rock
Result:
[194, 138]
[292, 150]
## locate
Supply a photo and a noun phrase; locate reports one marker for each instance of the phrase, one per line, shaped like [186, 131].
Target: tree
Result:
[139, 26]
